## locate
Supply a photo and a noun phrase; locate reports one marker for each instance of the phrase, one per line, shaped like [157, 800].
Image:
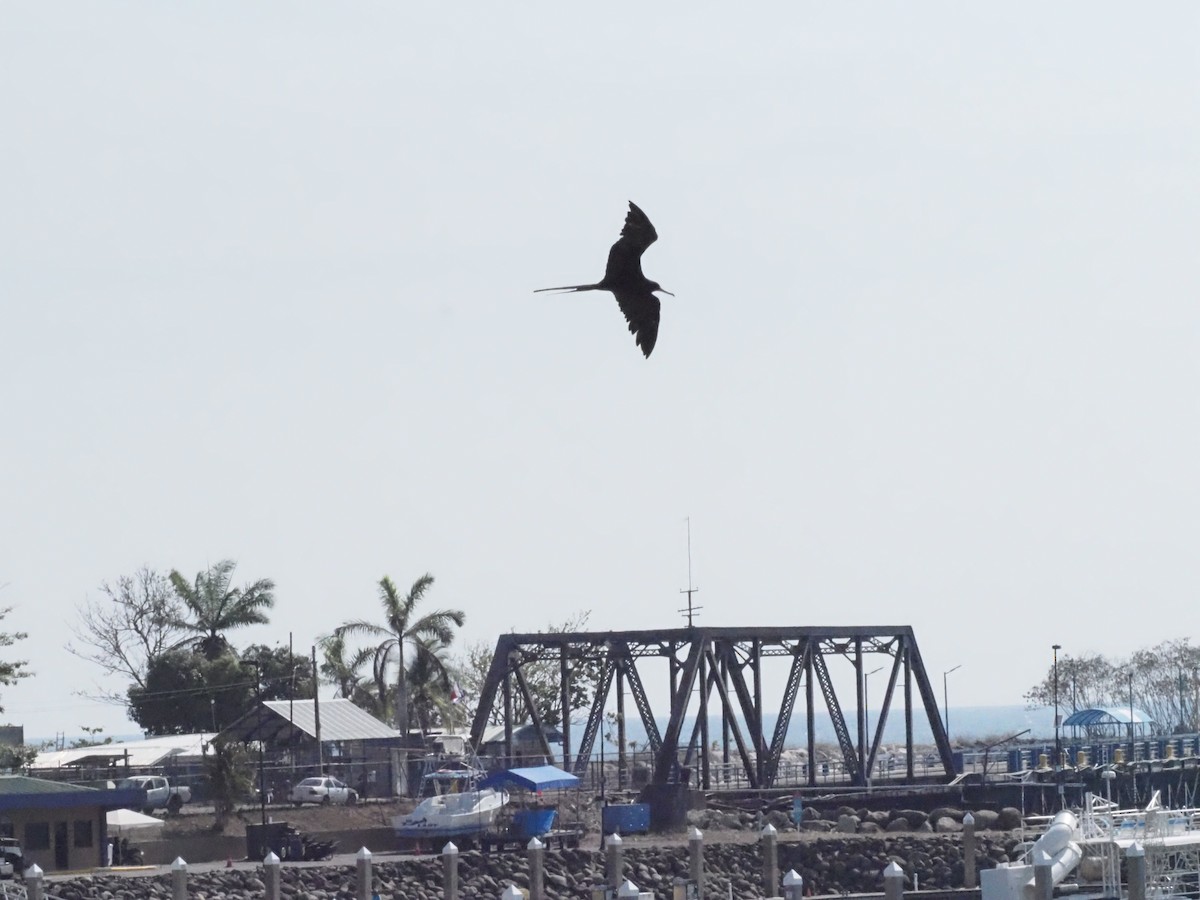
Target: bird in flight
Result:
[623, 276]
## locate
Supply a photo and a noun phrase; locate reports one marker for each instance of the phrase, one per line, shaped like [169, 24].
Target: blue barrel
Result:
[957, 759]
[1015, 762]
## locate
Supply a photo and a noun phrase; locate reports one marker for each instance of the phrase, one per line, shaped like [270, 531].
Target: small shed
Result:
[60, 826]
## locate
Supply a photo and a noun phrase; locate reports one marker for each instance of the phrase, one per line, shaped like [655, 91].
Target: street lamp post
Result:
[1057, 737]
[1129, 675]
[946, 699]
[1057, 747]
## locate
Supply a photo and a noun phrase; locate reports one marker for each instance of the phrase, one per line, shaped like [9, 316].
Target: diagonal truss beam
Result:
[724, 669]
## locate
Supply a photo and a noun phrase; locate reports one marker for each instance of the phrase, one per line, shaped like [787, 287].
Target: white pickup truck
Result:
[159, 793]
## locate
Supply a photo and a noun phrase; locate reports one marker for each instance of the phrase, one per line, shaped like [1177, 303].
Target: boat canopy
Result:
[534, 778]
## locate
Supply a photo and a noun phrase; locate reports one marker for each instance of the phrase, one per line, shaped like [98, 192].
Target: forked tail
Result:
[571, 288]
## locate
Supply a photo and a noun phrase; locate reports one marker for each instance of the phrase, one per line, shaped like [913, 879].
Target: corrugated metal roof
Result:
[150, 752]
[1113, 715]
[341, 720]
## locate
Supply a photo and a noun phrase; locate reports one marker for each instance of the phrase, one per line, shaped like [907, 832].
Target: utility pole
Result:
[1057, 738]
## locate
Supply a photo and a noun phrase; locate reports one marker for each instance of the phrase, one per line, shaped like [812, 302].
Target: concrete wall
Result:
[218, 847]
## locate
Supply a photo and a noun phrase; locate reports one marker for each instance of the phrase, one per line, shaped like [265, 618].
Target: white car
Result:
[322, 790]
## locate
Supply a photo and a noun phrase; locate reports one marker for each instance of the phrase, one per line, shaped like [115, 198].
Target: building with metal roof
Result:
[60, 826]
[330, 737]
[283, 722]
[145, 754]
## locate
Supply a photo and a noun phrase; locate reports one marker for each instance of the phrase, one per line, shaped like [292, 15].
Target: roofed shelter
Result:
[330, 737]
[1113, 721]
[60, 826]
[153, 752]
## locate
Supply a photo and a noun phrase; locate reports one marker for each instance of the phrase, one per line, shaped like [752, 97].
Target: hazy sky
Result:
[266, 276]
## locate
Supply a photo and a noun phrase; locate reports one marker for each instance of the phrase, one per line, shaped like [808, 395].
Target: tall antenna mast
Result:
[691, 610]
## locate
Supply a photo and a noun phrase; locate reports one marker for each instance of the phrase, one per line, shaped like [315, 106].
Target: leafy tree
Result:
[17, 759]
[543, 678]
[430, 682]
[213, 606]
[185, 693]
[91, 738]
[230, 776]
[403, 630]
[284, 676]
[1163, 681]
[346, 674]
[11, 672]
[132, 623]
[1083, 682]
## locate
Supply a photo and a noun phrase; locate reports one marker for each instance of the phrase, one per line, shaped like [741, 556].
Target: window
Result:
[37, 835]
[83, 832]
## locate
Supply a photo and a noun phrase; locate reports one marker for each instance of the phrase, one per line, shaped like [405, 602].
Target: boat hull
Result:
[451, 815]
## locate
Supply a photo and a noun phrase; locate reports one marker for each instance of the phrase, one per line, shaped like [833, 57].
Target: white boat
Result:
[1096, 841]
[462, 814]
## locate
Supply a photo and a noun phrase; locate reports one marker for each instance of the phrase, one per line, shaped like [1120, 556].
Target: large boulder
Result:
[899, 825]
[914, 817]
[947, 825]
[985, 819]
[848, 824]
[946, 812]
[1009, 818]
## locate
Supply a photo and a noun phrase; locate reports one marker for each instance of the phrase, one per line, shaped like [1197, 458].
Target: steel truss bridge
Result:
[719, 672]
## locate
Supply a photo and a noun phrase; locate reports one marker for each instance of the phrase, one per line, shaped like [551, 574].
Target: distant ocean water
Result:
[968, 724]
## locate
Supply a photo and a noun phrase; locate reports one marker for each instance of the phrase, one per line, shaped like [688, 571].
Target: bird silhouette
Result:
[623, 276]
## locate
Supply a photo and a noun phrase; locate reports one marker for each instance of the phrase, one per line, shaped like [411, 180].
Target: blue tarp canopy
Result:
[534, 778]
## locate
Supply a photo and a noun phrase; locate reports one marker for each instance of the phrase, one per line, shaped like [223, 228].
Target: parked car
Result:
[12, 857]
[322, 790]
[159, 793]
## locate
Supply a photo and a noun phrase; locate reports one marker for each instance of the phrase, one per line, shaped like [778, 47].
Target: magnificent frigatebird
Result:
[623, 276]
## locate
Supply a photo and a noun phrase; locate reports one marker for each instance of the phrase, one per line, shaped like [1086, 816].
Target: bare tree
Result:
[132, 623]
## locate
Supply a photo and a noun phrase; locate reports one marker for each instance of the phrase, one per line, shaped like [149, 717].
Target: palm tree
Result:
[403, 629]
[346, 675]
[430, 681]
[214, 607]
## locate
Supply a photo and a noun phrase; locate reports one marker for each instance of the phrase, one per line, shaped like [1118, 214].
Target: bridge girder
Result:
[722, 666]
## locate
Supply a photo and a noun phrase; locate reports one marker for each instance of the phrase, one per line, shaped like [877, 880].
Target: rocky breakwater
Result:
[856, 820]
[830, 865]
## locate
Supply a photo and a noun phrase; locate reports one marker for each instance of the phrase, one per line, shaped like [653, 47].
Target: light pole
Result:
[1058, 772]
[1057, 740]
[1129, 675]
[946, 699]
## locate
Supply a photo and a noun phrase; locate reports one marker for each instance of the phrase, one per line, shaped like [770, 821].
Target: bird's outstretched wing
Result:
[625, 257]
[641, 309]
